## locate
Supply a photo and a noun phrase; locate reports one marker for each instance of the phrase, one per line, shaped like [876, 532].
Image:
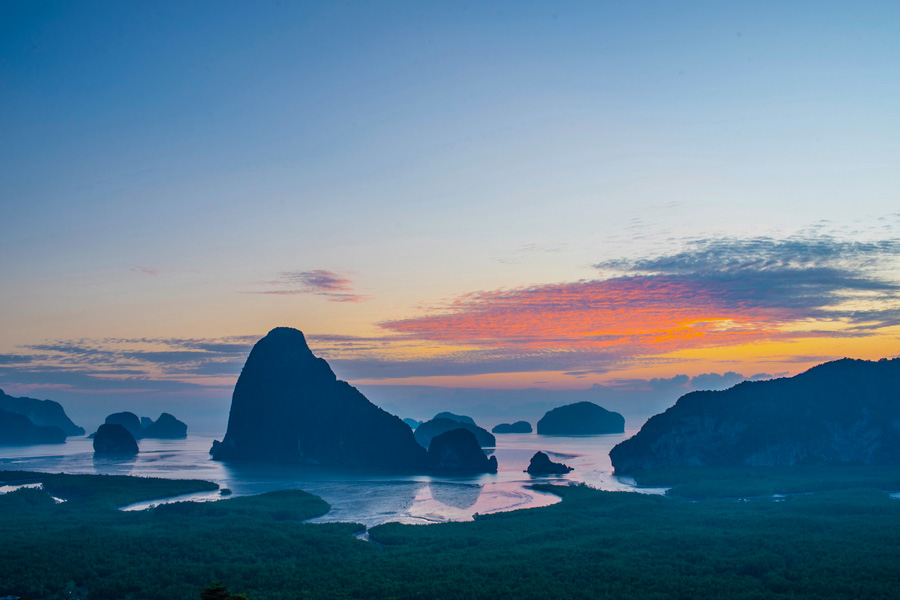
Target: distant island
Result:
[455, 417]
[165, 427]
[438, 425]
[842, 412]
[581, 418]
[289, 407]
[128, 420]
[45, 413]
[517, 427]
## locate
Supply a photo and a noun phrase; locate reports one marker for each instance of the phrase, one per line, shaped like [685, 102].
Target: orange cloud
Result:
[712, 293]
[663, 312]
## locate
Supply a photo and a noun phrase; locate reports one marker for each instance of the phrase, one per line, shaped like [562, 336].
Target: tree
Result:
[218, 591]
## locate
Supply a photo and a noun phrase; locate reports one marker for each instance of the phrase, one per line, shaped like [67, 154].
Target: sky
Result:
[612, 197]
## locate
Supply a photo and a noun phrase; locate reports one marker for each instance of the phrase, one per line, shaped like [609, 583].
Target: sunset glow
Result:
[459, 198]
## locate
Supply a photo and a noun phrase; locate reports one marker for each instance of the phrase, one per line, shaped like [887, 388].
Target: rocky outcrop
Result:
[581, 418]
[112, 438]
[18, 430]
[842, 412]
[457, 418]
[435, 427]
[165, 427]
[44, 413]
[542, 465]
[289, 407]
[128, 420]
[517, 427]
[215, 448]
[457, 451]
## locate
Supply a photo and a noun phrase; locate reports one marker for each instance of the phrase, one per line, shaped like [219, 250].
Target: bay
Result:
[370, 497]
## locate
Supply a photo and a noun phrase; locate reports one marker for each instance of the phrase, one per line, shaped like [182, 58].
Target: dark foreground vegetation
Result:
[839, 543]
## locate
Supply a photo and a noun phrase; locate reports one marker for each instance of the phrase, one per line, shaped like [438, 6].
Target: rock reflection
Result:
[456, 495]
[114, 464]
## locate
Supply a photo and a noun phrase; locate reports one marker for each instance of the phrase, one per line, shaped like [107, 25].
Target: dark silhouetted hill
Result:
[128, 420]
[542, 465]
[429, 429]
[289, 407]
[517, 427]
[581, 418]
[165, 427]
[457, 418]
[841, 412]
[46, 413]
[112, 438]
[457, 451]
[412, 423]
[18, 430]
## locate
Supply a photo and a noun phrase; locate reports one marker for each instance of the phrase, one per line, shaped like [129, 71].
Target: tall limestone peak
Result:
[288, 406]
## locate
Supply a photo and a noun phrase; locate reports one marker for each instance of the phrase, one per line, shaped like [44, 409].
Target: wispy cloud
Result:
[331, 285]
[319, 280]
[145, 270]
[137, 365]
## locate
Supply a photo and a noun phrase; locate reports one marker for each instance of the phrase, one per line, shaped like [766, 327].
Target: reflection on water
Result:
[456, 495]
[195, 497]
[370, 497]
[6, 489]
[492, 497]
[114, 464]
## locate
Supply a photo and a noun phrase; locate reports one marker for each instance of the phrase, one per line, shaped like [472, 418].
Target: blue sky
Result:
[167, 166]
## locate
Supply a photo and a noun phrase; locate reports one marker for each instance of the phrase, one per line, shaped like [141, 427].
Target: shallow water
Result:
[5, 489]
[364, 496]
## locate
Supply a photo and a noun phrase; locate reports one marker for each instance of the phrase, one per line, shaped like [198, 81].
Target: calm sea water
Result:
[361, 496]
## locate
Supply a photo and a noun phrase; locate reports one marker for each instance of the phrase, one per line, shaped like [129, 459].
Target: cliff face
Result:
[288, 406]
[18, 430]
[581, 418]
[842, 412]
[45, 413]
